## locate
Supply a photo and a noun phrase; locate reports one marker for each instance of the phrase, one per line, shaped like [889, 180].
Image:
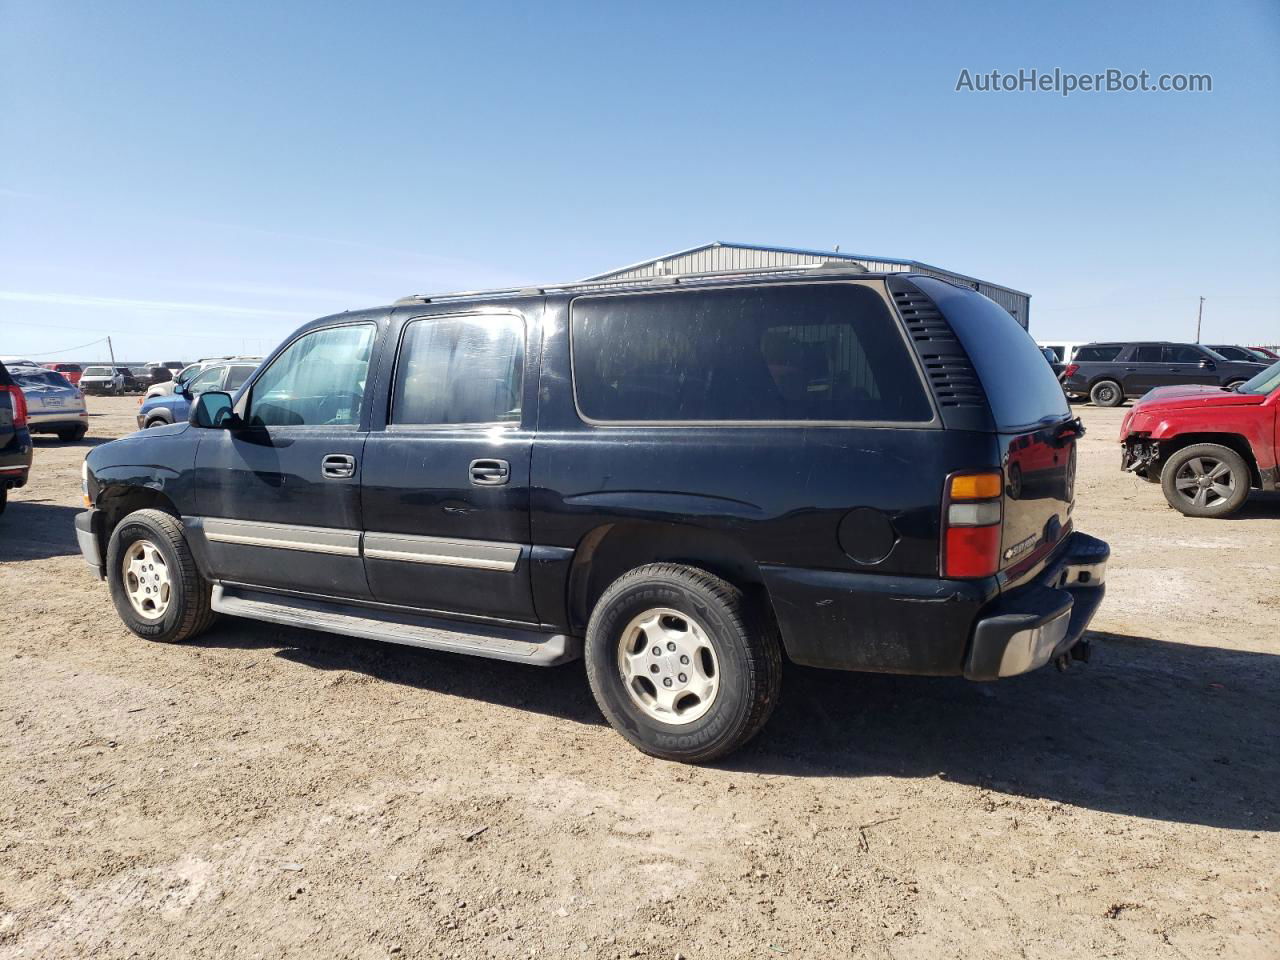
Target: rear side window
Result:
[1152, 353]
[1097, 354]
[466, 369]
[236, 378]
[794, 352]
[1021, 388]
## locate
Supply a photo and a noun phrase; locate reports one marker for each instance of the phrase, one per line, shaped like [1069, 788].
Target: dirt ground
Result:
[269, 792]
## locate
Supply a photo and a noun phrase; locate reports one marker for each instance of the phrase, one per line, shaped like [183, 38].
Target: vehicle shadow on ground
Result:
[558, 691]
[41, 440]
[1259, 506]
[1151, 729]
[37, 530]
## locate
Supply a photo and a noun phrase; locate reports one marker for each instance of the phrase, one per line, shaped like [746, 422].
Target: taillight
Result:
[972, 522]
[1071, 369]
[19, 403]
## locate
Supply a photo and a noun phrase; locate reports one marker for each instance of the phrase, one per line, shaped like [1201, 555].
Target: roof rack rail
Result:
[830, 268]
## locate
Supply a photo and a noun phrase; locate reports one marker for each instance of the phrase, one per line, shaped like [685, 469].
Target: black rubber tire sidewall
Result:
[1223, 508]
[185, 608]
[1118, 394]
[729, 722]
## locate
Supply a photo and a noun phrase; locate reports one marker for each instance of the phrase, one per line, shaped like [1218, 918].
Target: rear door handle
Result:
[490, 473]
[338, 466]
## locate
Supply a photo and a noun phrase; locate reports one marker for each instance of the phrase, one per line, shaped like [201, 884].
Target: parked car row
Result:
[159, 409]
[1109, 373]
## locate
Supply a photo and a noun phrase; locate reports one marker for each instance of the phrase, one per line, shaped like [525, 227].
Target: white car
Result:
[186, 375]
[102, 379]
[54, 405]
[1064, 350]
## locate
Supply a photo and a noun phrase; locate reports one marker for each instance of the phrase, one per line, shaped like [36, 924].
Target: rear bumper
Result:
[15, 461]
[1042, 620]
[52, 422]
[930, 626]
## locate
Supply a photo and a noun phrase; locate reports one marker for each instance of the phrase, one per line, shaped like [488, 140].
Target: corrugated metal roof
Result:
[806, 252]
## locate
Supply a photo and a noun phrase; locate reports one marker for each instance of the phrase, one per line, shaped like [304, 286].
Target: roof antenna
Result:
[837, 248]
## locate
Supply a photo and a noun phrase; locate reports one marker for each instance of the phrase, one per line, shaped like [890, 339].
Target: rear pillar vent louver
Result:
[950, 372]
[954, 382]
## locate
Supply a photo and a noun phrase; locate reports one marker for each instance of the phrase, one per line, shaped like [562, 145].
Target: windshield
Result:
[49, 379]
[1263, 383]
[99, 372]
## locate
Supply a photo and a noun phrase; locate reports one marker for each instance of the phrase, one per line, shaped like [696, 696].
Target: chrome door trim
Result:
[476, 554]
[282, 536]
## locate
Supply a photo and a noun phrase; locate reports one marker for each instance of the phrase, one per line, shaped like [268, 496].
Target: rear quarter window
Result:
[1022, 389]
[1097, 354]
[828, 352]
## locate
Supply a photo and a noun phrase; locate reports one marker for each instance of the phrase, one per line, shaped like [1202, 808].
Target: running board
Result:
[433, 633]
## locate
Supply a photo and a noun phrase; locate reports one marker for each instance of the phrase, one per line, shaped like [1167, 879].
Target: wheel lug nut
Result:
[684, 660]
[653, 668]
[671, 647]
[657, 651]
[666, 682]
[683, 678]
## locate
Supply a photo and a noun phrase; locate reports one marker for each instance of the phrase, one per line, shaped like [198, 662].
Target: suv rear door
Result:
[446, 470]
[1143, 367]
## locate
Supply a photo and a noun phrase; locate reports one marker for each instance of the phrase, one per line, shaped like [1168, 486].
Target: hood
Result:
[1195, 396]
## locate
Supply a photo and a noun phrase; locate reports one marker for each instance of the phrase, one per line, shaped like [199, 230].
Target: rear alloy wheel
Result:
[1206, 480]
[682, 663]
[1106, 393]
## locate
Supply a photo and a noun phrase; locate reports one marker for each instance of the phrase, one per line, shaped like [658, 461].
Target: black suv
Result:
[15, 438]
[679, 479]
[1107, 373]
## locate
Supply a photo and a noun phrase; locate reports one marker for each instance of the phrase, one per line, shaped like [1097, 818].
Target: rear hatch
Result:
[47, 392]
[1034, 429]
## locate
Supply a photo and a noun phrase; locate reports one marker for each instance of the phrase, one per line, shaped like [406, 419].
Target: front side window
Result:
[812, 352]
[318, 379]
[465, 369]
[1183, 355]
[208, 380]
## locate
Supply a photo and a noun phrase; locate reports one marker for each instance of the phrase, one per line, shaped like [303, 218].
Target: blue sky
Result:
[200, 178]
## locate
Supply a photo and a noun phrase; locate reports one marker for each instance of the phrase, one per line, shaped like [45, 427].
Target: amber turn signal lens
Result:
[976, 486]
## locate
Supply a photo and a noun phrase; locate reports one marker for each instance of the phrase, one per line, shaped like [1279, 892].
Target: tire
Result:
[156, 422]
[1235, 383]
[1106, 393]
[185, 611]
[728, 644]
[1221, 494]
[73, 435]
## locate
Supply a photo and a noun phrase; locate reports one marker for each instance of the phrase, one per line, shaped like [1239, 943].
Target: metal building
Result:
[724, 256]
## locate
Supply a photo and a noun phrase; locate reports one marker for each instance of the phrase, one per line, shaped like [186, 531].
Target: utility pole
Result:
[1199, 317]
[111, 351]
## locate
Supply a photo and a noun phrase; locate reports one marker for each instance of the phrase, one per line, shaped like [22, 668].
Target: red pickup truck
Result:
[1207, 446]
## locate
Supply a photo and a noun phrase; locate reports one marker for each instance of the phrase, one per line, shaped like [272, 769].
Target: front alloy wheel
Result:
[1206, 480]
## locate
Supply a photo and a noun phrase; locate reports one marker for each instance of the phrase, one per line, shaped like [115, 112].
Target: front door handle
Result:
[490, 473]
[338, 466]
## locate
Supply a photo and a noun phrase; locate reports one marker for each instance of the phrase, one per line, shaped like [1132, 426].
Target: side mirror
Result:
[1207, 364]
[213, 409]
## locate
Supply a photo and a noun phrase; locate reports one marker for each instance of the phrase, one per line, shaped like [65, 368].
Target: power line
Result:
[80, 346]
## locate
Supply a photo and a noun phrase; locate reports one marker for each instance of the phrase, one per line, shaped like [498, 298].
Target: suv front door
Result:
[446, 480]
[1184, 365]
[280, 494]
